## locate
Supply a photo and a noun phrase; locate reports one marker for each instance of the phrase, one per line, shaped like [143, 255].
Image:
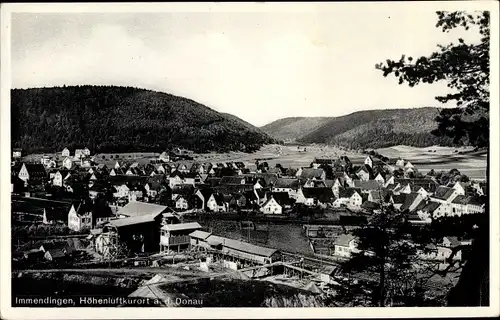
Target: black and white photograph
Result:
[310, 158]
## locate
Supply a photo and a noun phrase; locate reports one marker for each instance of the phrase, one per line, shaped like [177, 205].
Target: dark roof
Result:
[312, 173]
[282, 198]
[409, 200]
[369, 205]
[232, 180]
[347, 192]
[212, 181]
[443, 193]
[430, 206]
[128, 180]
[287, 183]
[36, 170]
[367, 185]
[320, 194]
[183, 189]
[399, 198]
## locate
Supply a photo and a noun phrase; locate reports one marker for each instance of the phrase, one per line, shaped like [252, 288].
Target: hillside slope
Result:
[290, 129]
[117, 119]
[373, 129]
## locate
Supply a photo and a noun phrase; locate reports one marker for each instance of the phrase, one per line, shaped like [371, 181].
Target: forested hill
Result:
[118, 119]
[365, 129]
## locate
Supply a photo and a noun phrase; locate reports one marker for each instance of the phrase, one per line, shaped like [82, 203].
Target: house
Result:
[400, 163]
[445, 194]
[411, 201]
[59, 177]
[67, 163]
[175, 237]
[311, 173]
[402, 188]
[459, 187]
[181, 202]
[55, 215]
[65, 152]
[397, 200]
[216, 203]
[349, 196]
[366, 185]
[463, 204]
[345, 245]
[33, 171]
[369, 161]
[17, 153]
[315, 196]
[380, 179]
[430, 209]
[271, 206]
[80, 217]
[408, 165]
[137, 208]
[363, 173]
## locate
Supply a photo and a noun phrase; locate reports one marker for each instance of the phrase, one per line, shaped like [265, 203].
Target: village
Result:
[74, 209]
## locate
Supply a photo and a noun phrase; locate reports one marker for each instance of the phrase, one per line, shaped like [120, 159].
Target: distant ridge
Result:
[121, 119]
[363, 129]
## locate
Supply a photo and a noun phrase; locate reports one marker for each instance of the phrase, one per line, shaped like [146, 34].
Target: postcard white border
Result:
[224, 313]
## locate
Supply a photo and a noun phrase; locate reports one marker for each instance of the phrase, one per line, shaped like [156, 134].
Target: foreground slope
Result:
[371, 129]
[115, 119]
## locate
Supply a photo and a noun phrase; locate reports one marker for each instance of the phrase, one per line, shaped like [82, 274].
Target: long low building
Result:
[234, 248]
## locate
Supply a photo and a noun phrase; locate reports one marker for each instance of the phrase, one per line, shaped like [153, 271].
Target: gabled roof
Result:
[198, 234]
[312, 173]
[231, 180]
[399, 198]
[344, 240]
[181, 226]
[369, 205]
[242, 246]
[287, 183]
[321, 194]
[347, 192]
[183, 189]
[443, 193]
[430, 206]
[367, 185]
[282, 198]
[137, 208]
[409, 200]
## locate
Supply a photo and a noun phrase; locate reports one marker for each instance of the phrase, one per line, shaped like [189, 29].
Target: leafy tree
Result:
[387, 253]
[466, 69]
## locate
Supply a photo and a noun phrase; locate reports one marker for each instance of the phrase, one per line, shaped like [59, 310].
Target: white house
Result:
[216, 203]
[165, 157]
[271, 206]
[23, 173]
[121, 191]
[67, 163]
[400, 163]
[408, 165]
[363, 174]
[380, 179]
[181, 203]
[80, 219]
[86, 152]
[65, 152]
[345, 245]
[369, 161]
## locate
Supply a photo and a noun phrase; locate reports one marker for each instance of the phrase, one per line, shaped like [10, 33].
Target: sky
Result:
[259, 66]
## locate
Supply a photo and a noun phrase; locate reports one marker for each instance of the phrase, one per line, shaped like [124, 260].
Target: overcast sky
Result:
[258, 66]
